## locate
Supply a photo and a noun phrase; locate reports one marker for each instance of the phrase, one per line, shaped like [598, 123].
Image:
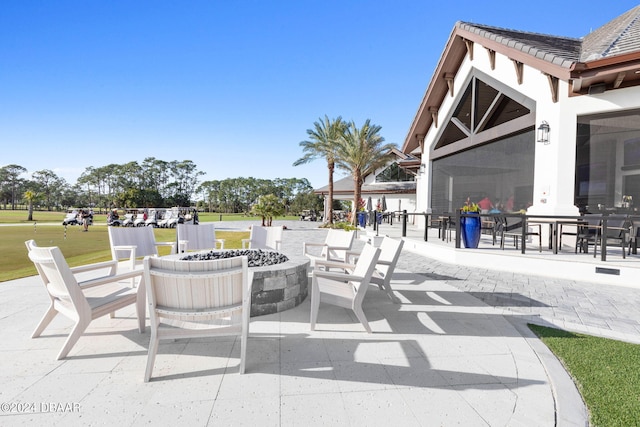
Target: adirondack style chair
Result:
[264, 238]
[81, 301]
[344, 289]
[197, 299]
[334, 248]
[195, 237]
[134, 243]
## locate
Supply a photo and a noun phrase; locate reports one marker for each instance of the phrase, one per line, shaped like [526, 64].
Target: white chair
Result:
[81, 301]
[134, 243]
[195, 237]
[194, 299]
[264, 238]
[334, 248]
[344, 289]
[110, 265]
[390, 250]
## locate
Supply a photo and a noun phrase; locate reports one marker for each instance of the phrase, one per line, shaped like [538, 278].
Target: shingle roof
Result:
[562, 51]
[619, 36]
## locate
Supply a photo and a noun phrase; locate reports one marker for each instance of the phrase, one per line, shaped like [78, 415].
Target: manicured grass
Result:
[605, 371]
[78, 248]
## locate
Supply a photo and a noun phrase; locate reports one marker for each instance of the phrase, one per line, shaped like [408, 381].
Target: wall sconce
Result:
[543, 132]
[421, 168]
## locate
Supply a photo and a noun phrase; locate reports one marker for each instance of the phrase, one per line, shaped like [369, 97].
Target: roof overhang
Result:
[457, 47]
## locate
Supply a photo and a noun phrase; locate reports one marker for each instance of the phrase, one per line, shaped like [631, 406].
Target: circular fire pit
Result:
[279, 283]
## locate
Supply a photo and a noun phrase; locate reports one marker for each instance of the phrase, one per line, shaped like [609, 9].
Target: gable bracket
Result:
[492, 58]
[469, 45]
[553, 86]
[619, 79]
[434, 115]
[519, 70]
[449, 78]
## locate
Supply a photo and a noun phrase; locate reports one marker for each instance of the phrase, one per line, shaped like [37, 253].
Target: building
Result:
[545, 123]
[394, 183]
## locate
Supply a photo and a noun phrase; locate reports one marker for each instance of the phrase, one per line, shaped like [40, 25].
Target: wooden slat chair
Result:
[196, 299]
[195, 237]
[344, 289]
[390, 250]
[335, 247]
[135, 243]
[82, 301]
[264, 238]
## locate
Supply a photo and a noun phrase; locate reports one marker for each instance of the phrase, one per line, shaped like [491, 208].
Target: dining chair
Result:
[617, 233]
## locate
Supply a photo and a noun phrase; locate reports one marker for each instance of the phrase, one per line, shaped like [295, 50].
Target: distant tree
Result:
[360, 151]
[50, 185]
[30, 196]
[322, 144]
[267, 207]
[11, 176]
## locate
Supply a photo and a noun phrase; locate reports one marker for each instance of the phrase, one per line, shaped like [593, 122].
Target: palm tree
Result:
[322, 141]
[360, 152]
[30, 196]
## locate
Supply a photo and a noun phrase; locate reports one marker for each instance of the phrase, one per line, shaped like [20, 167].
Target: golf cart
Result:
[72, 217]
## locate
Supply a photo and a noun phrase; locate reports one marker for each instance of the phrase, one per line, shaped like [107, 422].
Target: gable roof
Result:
[608, 58]
[345, 186]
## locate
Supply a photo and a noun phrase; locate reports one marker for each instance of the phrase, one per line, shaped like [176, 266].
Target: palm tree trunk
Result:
[331, 167]
[357, 192]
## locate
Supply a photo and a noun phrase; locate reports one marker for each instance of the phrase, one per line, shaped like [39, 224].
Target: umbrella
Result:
[384, 203]
[369, 204]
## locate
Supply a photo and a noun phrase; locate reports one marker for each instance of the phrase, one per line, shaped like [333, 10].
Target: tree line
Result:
[152, 183]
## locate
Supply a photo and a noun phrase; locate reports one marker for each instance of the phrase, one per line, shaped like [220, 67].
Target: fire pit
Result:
[279, 283]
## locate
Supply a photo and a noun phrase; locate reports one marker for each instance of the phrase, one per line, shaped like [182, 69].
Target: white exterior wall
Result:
[554, 173]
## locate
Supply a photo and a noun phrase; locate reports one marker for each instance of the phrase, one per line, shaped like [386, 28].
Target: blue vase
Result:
[362, 219]
[470, 230]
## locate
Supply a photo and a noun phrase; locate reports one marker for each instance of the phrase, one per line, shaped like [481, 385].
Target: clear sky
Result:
[232, 85]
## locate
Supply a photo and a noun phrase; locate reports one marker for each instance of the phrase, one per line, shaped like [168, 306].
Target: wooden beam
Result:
[492, 58]
[553, 85]
[619, 79]
[519, 70]
[434, 116]
[420, 138]
[449, 77]
[469, 45]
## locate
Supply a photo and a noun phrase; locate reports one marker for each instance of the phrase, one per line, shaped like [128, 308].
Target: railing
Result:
[552, 220]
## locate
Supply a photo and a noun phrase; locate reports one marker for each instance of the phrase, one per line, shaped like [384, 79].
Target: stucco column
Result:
[555, 163]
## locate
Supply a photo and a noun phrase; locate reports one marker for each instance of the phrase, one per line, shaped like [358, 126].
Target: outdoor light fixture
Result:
[543, 132]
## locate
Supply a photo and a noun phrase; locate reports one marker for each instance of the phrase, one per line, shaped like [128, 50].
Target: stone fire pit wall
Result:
[279, 287]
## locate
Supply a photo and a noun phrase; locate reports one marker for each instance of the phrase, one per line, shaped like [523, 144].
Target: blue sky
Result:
[230, 85]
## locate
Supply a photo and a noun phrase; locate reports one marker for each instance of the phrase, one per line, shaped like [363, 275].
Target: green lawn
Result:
[78, 248]
[606, 372]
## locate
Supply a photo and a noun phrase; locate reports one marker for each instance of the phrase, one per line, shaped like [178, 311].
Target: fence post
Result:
[426, 226]
[404, 223]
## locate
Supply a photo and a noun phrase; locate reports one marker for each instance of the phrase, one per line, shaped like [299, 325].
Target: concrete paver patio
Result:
[440, 357]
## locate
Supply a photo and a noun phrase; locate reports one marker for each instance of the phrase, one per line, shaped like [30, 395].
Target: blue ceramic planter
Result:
[470, 230]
